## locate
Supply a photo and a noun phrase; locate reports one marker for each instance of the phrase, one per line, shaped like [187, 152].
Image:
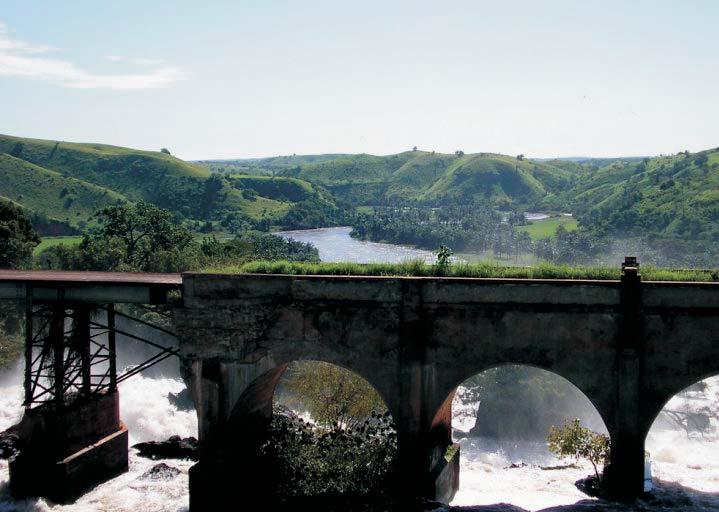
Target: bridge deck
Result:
[49, 286]
[80, 277]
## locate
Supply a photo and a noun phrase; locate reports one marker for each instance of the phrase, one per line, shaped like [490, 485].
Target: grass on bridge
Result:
[479, 270]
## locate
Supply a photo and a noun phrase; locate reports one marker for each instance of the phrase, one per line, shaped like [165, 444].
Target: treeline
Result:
[139, 237]
[144, 238]
[463, 228]
[474, 229]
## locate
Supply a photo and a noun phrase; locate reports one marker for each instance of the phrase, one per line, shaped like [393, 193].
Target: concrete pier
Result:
[66, 451]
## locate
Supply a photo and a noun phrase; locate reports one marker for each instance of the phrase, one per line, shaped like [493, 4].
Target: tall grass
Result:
[480, 270]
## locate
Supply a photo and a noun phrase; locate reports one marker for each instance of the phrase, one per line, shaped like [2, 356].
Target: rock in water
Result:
[182, 400]
[160, 471]
[175, 447]
[9, 443]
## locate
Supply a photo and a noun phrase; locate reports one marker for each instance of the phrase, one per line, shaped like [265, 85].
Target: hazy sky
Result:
[218, 79]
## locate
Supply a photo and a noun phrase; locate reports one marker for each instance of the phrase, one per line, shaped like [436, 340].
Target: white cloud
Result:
[132, 60]
[30, 61]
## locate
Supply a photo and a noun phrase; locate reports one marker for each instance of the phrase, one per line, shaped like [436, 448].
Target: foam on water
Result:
[149, 415]
[486, 477]
[486, 473]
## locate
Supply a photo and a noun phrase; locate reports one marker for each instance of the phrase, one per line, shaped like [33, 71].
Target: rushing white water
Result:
[487, 472]
[511, 472]
[149, 416]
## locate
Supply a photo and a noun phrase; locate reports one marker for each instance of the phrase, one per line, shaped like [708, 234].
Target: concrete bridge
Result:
[628, 345]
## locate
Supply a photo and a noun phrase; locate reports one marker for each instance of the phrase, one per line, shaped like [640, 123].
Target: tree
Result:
[335, 398]
[459, 153]
[166, 151]
[444, 259]
[573, 440]
[134, 236]
[16, 150]
[17, 236]
[414, 148]
[520, 157]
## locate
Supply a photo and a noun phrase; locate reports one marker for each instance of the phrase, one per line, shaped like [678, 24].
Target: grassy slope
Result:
[125, 170]
[546, 228]
[667, 191]
[486, 177]
[126, 174]
[277, 188]
[433, 177]
[481, 270]
[50, 193]
[52, 241]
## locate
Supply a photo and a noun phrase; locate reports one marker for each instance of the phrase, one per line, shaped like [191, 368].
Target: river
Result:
[336, 244]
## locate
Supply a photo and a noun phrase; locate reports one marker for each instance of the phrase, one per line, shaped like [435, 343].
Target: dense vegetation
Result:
[332, 395]
[348, 444]
[309, 460]
[145, 238]
[17, 240]
[17, 236]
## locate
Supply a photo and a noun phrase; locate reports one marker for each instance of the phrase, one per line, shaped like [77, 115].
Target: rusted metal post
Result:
[111, 344]
[29, 339]
[57, 342]
[82, 345]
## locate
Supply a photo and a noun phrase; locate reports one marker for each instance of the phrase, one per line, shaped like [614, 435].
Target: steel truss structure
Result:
[71, 349]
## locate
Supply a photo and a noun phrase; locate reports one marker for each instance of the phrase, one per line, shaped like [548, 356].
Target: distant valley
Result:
[662, 201]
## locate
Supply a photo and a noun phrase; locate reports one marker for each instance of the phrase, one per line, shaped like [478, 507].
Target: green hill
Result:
[278, 189]
[153, 176]
[675, 196]
[69, 181]
[50, 194]
[433, 178]
[495, 178]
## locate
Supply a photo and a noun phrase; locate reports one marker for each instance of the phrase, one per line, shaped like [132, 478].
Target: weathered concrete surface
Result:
[65, 451]
[628, 346]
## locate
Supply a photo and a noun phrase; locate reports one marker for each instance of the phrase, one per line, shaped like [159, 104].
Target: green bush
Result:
[309, 460]
[573, 440]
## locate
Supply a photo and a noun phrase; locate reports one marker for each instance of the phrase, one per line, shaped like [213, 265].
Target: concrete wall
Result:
[627, 346]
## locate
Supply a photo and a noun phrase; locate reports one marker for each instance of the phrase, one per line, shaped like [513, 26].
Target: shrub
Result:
[310, 460]
[573, 440]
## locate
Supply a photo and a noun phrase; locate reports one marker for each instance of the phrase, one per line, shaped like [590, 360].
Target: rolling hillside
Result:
[419, 176]
[68, 182]
[52, 195]
[675, 196]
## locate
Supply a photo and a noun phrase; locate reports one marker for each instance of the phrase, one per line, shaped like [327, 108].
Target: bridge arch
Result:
[584, 381]
[248, 427]
[655, 403]
[487, 449]
[260, 395]
[682, 439]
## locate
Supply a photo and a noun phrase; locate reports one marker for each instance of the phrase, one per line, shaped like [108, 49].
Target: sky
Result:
[231, 79]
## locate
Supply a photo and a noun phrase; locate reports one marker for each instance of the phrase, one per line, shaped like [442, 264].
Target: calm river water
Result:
[336, 244]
